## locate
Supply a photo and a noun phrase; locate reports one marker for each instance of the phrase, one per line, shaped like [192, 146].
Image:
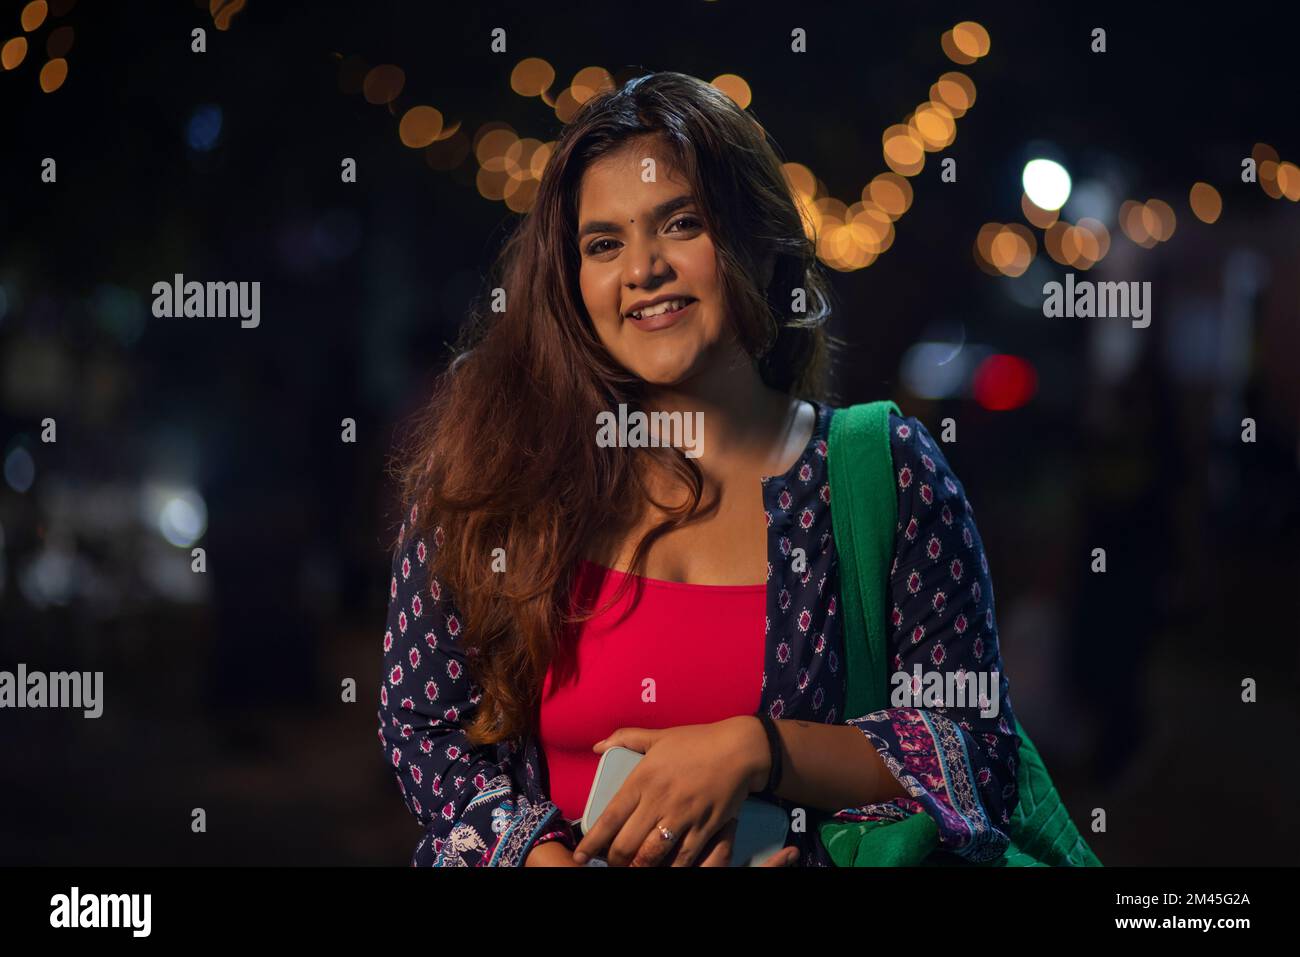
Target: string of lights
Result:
[58, 42]
[848, 237]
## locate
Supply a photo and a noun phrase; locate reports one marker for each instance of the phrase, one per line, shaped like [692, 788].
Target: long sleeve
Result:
[958, 764]
[467, 799]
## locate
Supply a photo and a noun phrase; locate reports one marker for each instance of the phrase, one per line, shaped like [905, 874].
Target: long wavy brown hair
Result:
[504, 454]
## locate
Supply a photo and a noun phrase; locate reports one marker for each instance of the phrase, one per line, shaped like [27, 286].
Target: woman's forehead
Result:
[623, 178]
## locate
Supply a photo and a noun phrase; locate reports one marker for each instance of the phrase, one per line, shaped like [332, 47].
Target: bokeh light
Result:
[1046, 183]
[223, 11]
[1165, 221]
[33, 15]
[383, 84]
[904, 150]
[1288, 180]
[971, 39]
[59, 42]
[532, 76]
[954, 52]
[204, 128]
[890, 192]
[735, 87]
[1002, 383]
[179, 514]
[20, 469]
[53, 74]
[13, 52]
[589, 81]
[954, 90]
[1205, 201]
[934, 125]
[420, 126]
[1035, 215]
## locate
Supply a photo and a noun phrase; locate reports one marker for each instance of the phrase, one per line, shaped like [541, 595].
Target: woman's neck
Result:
[748, 427]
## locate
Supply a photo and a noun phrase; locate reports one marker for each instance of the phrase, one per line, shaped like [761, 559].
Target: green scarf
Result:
[864, 516]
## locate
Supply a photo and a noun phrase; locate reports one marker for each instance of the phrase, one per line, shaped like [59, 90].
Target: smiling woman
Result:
[664, 269]
[650, 233]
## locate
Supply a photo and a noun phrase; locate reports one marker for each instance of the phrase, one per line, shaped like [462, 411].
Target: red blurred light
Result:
[1004, 382]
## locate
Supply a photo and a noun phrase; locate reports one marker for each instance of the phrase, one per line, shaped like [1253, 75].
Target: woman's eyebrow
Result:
[666, 208]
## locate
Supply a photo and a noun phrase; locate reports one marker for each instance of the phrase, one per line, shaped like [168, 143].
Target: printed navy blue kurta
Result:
[488, 806]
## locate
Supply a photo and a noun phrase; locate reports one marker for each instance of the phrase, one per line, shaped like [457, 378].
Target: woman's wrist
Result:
[758, 756]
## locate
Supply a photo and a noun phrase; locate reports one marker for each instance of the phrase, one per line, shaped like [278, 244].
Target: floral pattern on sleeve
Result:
[474, 811]
[957, 764]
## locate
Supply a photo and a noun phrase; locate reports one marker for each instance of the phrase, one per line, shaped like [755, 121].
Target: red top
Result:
[721, 626]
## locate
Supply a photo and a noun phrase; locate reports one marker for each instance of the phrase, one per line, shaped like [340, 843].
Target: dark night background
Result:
[222, 690]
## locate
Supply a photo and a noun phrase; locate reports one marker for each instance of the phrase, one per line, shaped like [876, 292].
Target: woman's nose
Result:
[644, 261]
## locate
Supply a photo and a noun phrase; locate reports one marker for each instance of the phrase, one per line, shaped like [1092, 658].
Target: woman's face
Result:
[643, 241]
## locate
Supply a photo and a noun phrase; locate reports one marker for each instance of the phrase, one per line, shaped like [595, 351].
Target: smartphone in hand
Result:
[761, 826]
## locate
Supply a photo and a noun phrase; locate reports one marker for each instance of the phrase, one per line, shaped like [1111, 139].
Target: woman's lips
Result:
[664, 319]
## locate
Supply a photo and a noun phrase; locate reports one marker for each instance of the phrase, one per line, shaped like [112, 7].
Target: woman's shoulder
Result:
[910, 433]
[921, 467]
[412, 550]
[416, 529]
[920, 464]
[908, 436]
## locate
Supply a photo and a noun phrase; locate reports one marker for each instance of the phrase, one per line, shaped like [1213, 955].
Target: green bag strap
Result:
[864, 517]
[860, 473]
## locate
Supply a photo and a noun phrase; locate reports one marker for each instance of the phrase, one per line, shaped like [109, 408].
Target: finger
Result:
[636, 836]
[705, 852]
[717, 849]
[786, 857]
[717, 852]
[634, 739]
[611, 821]
[655, 851]
[693, 844]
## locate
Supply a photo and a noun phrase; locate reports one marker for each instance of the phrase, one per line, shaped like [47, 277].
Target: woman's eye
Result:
[595, 248]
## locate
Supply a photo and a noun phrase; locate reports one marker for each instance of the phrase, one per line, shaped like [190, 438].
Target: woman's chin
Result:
[664, 373]
[665, 378]
[674, 368]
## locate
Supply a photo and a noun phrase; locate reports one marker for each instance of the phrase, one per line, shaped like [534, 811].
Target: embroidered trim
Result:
[517, 839]
[982, 842]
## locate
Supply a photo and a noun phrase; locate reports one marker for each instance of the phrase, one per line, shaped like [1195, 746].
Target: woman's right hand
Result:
[550, 854]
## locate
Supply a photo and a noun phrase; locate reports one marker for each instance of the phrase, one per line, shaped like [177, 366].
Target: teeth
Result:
[671, 305]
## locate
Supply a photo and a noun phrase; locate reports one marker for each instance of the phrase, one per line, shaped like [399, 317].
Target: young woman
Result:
[554, 594]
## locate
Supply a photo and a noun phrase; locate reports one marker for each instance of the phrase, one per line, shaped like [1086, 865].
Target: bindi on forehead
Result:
[664, 209]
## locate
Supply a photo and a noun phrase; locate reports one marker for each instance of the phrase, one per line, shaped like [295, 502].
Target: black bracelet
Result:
[773, 746]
